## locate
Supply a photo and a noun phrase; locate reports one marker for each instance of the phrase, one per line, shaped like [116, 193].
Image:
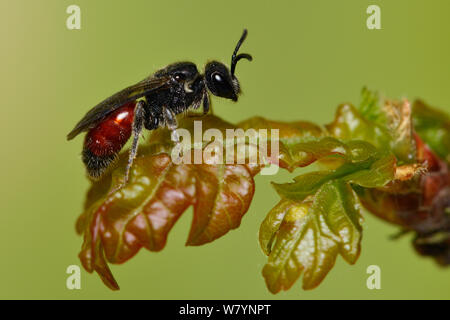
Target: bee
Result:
[152, 103]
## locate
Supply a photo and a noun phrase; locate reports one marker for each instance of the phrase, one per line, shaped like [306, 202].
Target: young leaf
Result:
[369, 106]
[410, 199]
[400, 127]
[296, 140]
[349, 124]
[371, 169]
[318, 218]
[433, 126]
[380, 173]
[372, 150]
[290, 133]
[116, 225]
[309, 236]
[383, 123]
[271, 224]
[302, 143]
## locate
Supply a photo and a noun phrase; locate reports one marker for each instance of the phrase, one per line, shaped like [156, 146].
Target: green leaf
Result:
[305, 185]
[302, 143]
[365, 167]
[271, 224]
[317, 217]
[349, 124]
[380, 173]
[290, 133]
[433, 126]
[304, 153]
[385, 124]
[310, 236]
[369, 106]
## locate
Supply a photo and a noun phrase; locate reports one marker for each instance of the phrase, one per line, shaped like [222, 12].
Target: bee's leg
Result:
[171, 123]
[138, 124]
[206, 107]
[206, 104]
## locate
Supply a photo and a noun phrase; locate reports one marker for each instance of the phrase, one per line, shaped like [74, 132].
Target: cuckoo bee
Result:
[152, 103]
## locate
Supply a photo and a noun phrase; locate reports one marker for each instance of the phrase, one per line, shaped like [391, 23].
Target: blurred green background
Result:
[309, 56]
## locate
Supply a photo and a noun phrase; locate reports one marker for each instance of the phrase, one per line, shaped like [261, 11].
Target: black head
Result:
[221, 81]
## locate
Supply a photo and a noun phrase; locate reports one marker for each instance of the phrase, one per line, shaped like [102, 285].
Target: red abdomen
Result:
[103, 142]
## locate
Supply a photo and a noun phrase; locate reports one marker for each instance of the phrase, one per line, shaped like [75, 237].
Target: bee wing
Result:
[96, 114]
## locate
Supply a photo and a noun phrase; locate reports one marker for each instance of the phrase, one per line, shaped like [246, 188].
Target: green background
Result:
[309, 56]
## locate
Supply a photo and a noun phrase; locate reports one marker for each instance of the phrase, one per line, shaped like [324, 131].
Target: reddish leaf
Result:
[117, 225]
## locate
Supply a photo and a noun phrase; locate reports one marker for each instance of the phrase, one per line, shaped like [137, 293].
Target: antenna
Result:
[235, 58]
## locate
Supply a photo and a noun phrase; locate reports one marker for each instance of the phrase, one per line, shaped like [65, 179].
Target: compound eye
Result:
[217, 77]
[221, 83]
[221, 86]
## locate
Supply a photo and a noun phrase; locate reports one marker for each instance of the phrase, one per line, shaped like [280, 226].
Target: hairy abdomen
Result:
[103, 142]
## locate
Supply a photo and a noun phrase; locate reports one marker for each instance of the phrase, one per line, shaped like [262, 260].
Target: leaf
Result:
[309, 236]
[305, 153]
[374, 169]
[349, 124]
[290, 133]
[410, 199]
[117, 225]
[371, 151]
[297, 141]
[380, 173]
[272, 222]
[433, 126]
[369, 106]
[303, 143]
[385, 123]
[317, 217]
[304, 185]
